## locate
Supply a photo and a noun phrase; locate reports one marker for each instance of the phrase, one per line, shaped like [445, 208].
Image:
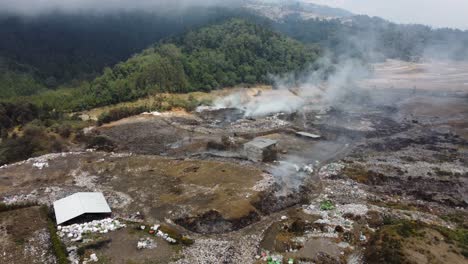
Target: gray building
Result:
[261, 149]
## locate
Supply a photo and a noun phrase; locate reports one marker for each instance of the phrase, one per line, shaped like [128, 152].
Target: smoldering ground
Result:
[324, 85]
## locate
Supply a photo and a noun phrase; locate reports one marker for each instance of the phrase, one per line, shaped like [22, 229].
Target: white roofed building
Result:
[79, 205]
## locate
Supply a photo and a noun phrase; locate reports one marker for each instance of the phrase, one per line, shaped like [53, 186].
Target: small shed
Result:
[261, 149]
[81, 206]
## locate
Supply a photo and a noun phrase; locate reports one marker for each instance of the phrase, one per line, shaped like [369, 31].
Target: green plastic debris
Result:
[271, 261]
[291, 261]
[327, 205]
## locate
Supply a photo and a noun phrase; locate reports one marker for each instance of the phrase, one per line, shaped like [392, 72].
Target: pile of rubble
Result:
[335, 219]
[75, 231]
[330, 170]
[253, 126]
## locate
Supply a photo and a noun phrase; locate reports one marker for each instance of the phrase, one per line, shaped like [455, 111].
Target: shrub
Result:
[9, 207]
[327, 205]
[100, 143]
[58, 247]
[120, 113]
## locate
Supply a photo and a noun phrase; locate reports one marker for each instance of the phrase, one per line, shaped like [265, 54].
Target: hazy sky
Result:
[437, 13]
[38, 6]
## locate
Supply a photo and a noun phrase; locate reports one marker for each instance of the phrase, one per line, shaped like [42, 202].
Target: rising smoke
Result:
[326, 84]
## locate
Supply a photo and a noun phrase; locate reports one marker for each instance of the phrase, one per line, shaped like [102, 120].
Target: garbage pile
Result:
[155, 230]
[92, 258]
[334, 217]
[330, 170]
[75, 231]
[263, 124]
[146, 243]
[40, 165]
[272, 258]
[307, 168]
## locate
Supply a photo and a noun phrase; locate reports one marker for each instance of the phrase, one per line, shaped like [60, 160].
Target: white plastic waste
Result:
[75, 231]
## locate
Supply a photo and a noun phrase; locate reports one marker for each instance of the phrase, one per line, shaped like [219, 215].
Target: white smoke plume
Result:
[329, 84]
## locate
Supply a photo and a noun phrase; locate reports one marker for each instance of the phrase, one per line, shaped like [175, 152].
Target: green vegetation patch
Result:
[327, 205]
[388, 243]
[58, 247]
[9, 207]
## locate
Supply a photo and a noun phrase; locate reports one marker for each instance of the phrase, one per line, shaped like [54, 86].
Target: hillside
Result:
[56, 49]
[234, 52]
[63, 47]
[282, 9]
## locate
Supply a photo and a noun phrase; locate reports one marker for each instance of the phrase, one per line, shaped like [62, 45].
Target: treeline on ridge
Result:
[374, 38]
[234, 52]
[62, 47]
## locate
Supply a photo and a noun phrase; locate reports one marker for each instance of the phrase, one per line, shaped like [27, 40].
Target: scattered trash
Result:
[307, 168]
[275, 259]
[284, 217]
[40, 165]
[146, 243]
[92, 258]
[154, 113]
[362, 237]
[155, 230]
[332, 169]
[166, 237]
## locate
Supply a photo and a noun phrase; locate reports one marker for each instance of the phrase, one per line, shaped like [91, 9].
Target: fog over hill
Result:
[435, 13]
[33, 7]
[248, 131]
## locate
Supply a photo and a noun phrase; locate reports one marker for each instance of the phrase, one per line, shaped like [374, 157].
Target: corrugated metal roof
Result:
[80, 203]
[306, 134]
[261, 142]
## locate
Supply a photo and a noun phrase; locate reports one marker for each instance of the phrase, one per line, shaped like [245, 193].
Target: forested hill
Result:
[73, 46]
[226, 54]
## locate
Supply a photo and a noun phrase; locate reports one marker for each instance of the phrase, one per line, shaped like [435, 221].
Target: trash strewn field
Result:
[354, 182]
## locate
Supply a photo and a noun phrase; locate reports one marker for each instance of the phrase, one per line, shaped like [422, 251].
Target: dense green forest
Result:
[227, 54]
[51, 50]
[56, 48]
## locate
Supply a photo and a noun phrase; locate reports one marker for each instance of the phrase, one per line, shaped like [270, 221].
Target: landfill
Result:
[162, 235]
[75, 231]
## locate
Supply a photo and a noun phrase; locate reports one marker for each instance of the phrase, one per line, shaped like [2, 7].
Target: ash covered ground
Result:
[386, 180]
